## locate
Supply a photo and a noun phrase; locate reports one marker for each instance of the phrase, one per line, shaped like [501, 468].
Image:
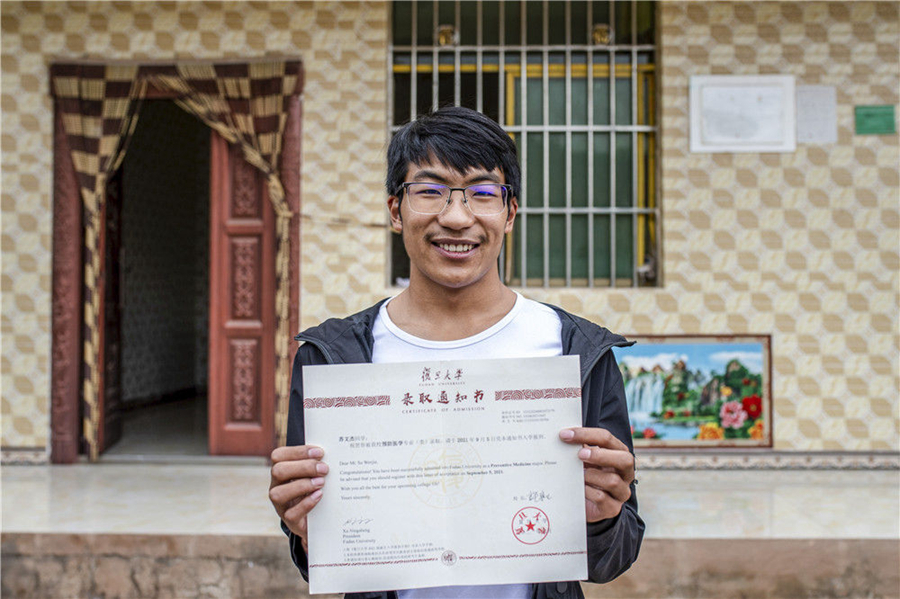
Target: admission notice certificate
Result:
[445, 473]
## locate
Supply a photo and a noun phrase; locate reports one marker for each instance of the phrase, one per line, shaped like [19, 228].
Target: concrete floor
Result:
[232, 498]
[177, 428]
[160, 479]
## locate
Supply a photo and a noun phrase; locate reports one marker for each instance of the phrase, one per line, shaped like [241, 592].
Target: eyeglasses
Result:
[483, 199]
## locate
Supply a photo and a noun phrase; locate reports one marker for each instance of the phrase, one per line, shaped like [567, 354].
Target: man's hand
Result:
[608, 470]
[296, 485]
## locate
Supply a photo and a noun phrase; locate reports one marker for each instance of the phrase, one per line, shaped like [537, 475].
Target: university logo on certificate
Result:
[445, 473]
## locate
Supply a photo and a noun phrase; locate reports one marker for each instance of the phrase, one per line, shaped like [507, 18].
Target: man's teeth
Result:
[455, 248]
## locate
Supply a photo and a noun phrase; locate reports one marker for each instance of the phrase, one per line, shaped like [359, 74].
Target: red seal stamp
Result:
[530, 525]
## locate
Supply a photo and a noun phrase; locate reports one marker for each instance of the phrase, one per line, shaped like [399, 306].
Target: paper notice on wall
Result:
[816, 114]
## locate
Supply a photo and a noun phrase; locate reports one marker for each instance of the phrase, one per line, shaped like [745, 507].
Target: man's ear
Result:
[393, 204]
[511, 214]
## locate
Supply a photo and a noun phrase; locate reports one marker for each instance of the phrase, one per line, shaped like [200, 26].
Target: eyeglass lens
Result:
[432, 198]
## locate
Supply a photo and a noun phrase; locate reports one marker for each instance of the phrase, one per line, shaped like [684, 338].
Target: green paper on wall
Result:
[875, 120]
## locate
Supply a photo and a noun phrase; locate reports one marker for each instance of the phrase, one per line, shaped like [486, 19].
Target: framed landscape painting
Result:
[698, 391]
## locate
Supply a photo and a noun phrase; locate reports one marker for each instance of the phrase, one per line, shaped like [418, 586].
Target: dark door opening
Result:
[163, 281]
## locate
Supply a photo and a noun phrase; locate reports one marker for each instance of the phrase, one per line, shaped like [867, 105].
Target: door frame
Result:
[67, 307]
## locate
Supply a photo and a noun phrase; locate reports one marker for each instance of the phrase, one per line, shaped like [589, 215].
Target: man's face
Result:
[455, 248]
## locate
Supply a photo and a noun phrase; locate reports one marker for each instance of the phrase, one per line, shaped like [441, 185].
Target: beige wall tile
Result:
[343, 47]
[802, 245]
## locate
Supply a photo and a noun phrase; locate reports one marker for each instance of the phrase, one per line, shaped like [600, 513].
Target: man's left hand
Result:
[608, 470]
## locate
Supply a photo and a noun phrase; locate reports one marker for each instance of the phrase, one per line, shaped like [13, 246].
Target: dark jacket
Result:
[612, 544]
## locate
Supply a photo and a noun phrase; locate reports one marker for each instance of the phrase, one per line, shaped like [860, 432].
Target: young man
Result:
[453, 180]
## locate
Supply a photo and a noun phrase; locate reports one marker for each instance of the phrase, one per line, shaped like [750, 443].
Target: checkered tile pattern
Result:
[803, 246]
[342, 46]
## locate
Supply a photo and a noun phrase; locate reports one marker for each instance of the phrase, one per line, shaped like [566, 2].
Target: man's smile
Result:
[455, 248]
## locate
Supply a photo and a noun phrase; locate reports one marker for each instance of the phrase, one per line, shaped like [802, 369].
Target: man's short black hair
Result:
[459, 138]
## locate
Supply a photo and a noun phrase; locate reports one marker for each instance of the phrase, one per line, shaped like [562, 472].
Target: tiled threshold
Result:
[129, 565]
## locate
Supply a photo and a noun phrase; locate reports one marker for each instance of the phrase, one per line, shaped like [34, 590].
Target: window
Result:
[574, 84]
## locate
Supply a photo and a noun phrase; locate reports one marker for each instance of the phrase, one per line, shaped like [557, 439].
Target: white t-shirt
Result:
[530, 329]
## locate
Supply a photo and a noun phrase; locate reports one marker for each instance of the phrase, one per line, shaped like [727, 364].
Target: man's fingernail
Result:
[316, 496]
[315, 452]
[585, 453]
[566, 434]
[318, 481]
[322, 468]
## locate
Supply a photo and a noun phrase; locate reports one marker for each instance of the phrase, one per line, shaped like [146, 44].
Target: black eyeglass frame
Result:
[503, 186]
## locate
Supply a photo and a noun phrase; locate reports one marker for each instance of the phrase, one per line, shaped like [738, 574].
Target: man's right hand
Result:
[296, 485]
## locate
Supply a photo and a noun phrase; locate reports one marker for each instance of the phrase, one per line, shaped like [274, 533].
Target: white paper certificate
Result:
[445, 473]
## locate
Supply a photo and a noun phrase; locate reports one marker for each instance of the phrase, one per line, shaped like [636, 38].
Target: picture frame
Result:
[743, 113]
[698, 391]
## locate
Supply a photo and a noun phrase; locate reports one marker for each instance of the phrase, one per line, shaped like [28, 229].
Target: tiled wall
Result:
[343, 48]
[802, 245]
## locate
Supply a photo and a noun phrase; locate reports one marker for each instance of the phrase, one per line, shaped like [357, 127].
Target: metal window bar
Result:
[435, 67]
[479, 76]
[578, 128]
[634, 130]
[590, 156]
[414, 63]
[501, 75]
[545, 137]
[613, 138]
[634, 146]
[568, 17]
[551, 47]
[501, 113]
[523, 118]
[456, 72]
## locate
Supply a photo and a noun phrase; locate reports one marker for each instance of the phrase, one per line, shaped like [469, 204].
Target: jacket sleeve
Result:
[306, 355]
[613, 544]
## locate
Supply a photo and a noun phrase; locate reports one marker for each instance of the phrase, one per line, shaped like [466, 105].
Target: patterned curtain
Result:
[247, 104]
[99, 105]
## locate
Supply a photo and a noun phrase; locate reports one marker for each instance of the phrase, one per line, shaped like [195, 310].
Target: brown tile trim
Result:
[672, 459]
[24, 456]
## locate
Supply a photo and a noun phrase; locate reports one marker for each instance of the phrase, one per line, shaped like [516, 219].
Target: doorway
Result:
[163, 282]
[245, 355]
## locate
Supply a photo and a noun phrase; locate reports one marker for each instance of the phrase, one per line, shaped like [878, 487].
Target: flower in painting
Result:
[686, 413]
[668, 414]
[649, 433]
[711, 432]
[725, 390]
[756, 431]
[752, 405]
[732, 414]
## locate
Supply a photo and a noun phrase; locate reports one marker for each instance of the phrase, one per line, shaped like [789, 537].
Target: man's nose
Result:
[456, 214]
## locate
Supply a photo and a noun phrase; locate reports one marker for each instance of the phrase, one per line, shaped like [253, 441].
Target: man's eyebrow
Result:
[474, 177]
[431, 175]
